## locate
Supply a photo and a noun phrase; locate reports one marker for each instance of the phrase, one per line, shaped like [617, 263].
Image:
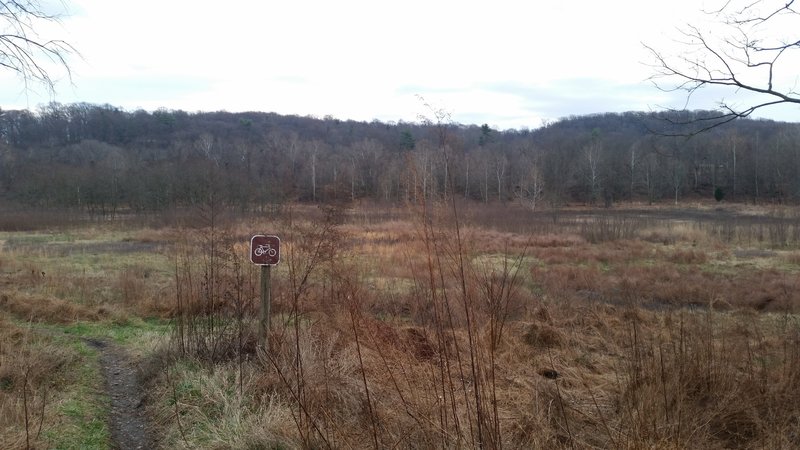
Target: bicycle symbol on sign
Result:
[265, 249]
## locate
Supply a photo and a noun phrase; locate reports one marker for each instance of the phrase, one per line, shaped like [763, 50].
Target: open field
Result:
[413, 327]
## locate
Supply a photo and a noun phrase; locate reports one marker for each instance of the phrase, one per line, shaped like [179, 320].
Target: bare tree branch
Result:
[747, 59]
[739, 18]
[23, 51]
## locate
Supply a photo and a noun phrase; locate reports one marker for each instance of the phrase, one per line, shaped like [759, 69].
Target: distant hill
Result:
[104, 159]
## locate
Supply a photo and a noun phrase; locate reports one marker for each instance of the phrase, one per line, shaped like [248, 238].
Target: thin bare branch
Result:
[739, 61]
[23, 51]
[735, 20]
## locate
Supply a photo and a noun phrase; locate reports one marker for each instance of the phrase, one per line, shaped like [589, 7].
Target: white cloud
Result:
[507, 63]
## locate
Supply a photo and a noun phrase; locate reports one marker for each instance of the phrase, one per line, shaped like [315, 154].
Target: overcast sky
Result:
[510, 64]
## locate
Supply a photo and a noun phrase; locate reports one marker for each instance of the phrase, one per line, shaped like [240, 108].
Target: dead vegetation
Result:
[421, 333]
[429, 330]
[34, 373]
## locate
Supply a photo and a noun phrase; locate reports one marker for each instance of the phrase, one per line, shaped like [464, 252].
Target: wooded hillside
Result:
[104, 160]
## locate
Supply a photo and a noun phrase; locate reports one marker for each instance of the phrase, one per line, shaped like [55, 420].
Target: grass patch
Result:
[59, 379]
[108, 275]
[213, 413]
[84, 409]
[121, 333]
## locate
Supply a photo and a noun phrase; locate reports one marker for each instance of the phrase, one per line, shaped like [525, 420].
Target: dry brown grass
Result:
[32, 369]
[389, 331]
[598, 348]
[793, 258]
[50, 309]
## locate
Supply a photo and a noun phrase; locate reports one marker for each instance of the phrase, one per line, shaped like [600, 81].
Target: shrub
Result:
[719, 194]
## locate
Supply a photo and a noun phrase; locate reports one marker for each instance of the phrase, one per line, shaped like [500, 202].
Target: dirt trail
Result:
[127, 420]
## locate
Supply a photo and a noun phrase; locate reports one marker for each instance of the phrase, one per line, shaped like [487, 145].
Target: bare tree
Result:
[500, 164]
[593, 155]
[633, 163]
[530, 188]
[23, 51]
[756, 53]
[442, 122]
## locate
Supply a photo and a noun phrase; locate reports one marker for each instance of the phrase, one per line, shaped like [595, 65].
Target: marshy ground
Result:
[626, 328]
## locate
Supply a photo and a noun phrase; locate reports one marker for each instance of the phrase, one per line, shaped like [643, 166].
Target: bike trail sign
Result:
[265, 250]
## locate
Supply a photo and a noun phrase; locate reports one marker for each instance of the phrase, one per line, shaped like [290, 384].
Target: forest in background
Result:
[105, 160]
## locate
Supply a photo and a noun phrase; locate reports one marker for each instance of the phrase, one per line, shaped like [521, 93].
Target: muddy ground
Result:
[127, 420]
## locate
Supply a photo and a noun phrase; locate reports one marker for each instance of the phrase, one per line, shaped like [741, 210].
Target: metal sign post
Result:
[266, 300]
[265, 251]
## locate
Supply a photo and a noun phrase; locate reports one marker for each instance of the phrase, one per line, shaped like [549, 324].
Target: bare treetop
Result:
[756, 51]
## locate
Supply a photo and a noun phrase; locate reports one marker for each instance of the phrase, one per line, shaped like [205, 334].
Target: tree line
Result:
[105, 160]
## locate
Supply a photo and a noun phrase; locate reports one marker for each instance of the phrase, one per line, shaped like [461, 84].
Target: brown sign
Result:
[265, 250]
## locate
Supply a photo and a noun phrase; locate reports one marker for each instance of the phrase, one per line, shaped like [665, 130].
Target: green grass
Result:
[85, 427]
[122, 333]
[84, 408]
[85, 266]
[80, 404]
